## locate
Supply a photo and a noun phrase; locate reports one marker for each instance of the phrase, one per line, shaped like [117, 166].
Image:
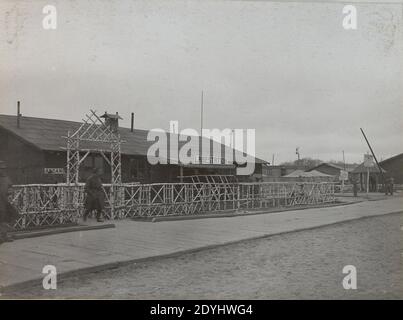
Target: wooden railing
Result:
[60, 204]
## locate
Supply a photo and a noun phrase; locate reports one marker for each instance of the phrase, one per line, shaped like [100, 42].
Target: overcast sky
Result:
[287, 69]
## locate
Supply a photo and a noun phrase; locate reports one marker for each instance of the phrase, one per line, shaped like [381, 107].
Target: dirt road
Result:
[298, 265]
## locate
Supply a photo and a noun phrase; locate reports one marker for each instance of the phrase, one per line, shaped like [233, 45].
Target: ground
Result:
[297, 265]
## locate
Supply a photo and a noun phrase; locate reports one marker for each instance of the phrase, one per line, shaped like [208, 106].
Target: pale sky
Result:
[287, 69]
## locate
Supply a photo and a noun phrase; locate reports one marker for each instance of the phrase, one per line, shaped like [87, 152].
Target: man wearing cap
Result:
[355, 187]
[391, 183]
[94, 195]
[8, 213]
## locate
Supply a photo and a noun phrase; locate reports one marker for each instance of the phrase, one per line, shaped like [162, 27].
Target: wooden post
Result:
[342, 185]
[376, 160]
[18, 114]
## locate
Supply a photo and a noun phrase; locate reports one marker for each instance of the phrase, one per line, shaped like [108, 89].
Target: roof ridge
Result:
[52, 119]
[38, 118]
[392, 158]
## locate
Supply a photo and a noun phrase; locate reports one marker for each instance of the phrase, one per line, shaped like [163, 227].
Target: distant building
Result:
[394, 167]
[327, 168]
[275, 173]
[332, 169]
[360, 174]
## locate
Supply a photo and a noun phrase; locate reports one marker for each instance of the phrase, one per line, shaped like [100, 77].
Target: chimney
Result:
[132, 123]
[112, 121]
[18, 114]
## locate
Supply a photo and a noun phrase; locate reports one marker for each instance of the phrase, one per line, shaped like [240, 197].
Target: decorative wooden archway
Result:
[95, 135]
[101, 138]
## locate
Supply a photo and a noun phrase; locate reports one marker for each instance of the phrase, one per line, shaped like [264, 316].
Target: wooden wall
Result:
[394, 168]
[24, 162]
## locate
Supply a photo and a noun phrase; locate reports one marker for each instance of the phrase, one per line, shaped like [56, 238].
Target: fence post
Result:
[112, 202]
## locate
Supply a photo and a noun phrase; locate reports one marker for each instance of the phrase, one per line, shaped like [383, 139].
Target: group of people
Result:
[389, 186]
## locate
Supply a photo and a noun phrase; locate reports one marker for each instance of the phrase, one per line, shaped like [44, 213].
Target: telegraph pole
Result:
[201, 114]
[373, 154]
[344, 161]
[201, 128]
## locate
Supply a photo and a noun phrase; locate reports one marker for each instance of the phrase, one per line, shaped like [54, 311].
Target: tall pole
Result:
[18, 114]
[201, 128]
[201, 114]
[342, 180]
[373, 154]
[344, 161]
[233, 146]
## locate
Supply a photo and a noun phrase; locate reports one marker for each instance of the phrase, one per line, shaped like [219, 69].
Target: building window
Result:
[99, 163]
[92, 161]
[87, 163]
[137, 170]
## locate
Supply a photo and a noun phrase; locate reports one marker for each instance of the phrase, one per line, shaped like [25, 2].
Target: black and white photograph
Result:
[173, 150]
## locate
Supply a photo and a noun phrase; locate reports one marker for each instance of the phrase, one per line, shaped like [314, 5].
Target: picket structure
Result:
[95, 135]
[60, 204]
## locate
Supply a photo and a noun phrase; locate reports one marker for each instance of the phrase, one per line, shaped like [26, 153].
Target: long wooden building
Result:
[34, 151]
[394, 167]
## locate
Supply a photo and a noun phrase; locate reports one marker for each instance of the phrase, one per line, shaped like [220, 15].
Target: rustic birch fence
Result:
[61, 204]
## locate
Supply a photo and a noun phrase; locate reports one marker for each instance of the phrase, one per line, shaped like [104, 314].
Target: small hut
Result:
[360, 173]
[112, 121]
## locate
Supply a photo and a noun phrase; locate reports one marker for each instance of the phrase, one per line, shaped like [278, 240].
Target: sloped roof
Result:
[49, 134]
[111, 116]
[330, 165]
[294, 174]
[306, 174]
[362, 169]
[400, 155]
[315, 173]
[349, 167]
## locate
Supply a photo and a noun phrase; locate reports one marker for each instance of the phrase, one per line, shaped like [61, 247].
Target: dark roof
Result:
[362, 169]
[111, 116]
[306, 174]
[326, 164]
[287, 166]
[392, 158]
[49, 134]
[349, 167]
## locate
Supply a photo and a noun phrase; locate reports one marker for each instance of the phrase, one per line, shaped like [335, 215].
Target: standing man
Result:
[94, 195]
[355, 187]
[391, 183]
[8, 213]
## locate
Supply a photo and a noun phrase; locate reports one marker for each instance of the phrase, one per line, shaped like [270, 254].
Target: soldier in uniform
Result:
[94, 195]
[8, 214]
[390, 185]
[355, 187]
